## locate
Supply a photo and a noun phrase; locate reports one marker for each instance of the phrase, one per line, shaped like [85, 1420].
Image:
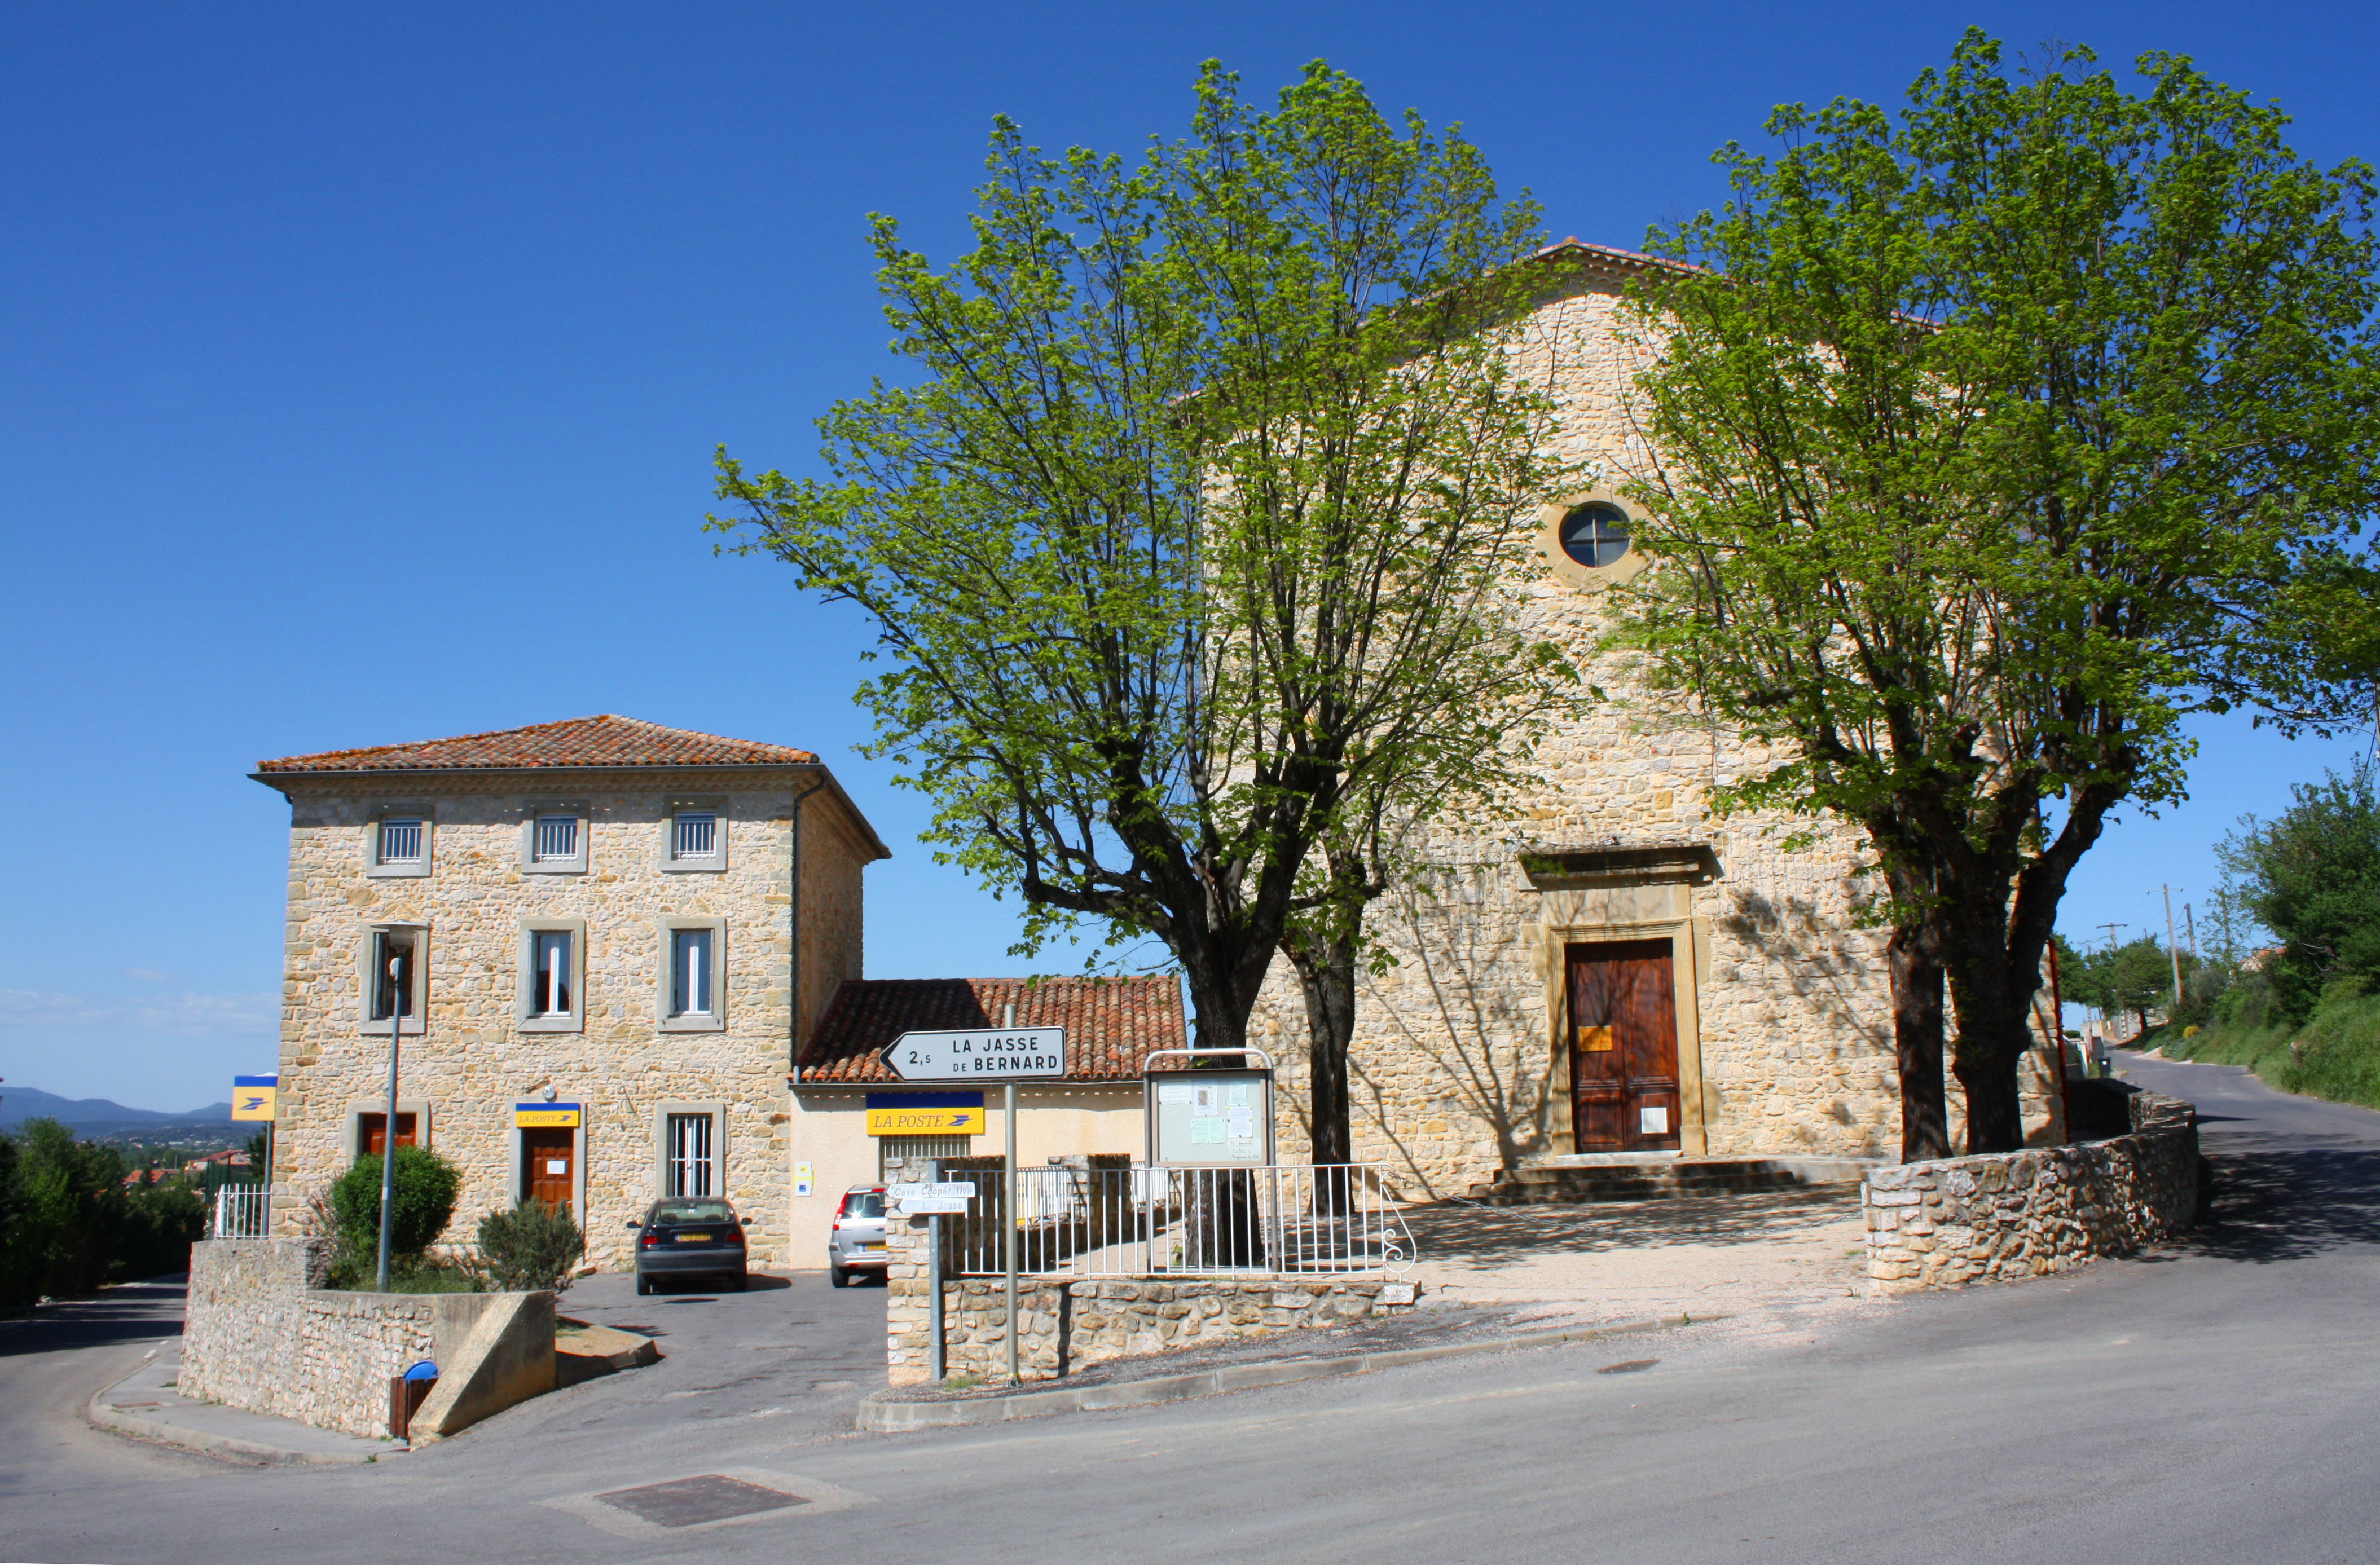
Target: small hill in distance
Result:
[99, 1119]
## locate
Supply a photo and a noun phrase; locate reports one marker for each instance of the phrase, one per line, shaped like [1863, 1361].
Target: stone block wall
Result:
[1064, 1324]
[2008, 1215]
[260, 1333]
[621, 1063]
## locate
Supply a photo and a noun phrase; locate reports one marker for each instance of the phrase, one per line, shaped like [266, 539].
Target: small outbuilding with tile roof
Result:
[1111, 1026]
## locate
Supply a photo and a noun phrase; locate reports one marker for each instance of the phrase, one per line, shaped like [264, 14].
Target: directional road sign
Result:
[979, 1054]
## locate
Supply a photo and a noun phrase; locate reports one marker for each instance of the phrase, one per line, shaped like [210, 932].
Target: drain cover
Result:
[684, 1502]
[1628, 1366]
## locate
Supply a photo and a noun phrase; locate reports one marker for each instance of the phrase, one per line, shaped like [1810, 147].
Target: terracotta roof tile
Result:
[1111, 1023]
[574, 742]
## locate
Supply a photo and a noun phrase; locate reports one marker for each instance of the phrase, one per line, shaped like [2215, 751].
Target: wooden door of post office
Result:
[549, 1153]
[1623, 1047]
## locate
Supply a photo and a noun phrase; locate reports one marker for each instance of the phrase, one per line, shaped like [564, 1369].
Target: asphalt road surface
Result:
[2214, 1401]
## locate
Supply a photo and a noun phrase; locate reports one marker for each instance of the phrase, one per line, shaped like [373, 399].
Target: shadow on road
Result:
[1452, 1230]
[2273, 1204]
[96, 1322]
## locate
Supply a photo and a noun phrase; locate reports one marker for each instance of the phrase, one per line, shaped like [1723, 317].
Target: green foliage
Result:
[2334, 1054]
[2135, 976]
[1996, 439]
[1187, 543]
[68, 1226]
[421, 1205]
[533, 1246]
[2312, 876]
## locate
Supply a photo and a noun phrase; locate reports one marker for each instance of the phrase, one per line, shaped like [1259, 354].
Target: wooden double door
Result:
[1623, 1045]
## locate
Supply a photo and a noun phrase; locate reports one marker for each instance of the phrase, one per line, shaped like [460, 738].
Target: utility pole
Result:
[2173, 952]
[2112, 929]
[2190, 931]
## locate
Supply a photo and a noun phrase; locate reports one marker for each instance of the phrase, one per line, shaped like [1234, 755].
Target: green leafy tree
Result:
[2135, 976]
[69, 1218]
[422, 1203]
[1996, 439]
[1187, 547]
[2312, 876]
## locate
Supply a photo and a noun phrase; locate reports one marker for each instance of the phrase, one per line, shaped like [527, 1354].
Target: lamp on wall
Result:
[547, 1094]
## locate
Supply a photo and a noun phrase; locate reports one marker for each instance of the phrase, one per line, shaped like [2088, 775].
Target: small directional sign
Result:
[979, 1054]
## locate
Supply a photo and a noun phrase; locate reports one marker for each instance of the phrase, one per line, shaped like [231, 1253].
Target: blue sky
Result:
[360, 368]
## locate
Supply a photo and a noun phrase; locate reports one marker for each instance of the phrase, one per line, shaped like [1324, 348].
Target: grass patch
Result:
[2336, 1054]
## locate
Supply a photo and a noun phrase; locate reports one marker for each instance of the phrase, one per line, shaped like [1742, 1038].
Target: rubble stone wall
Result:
[261, 1333]
[1064, 1324]
[1946, 1223]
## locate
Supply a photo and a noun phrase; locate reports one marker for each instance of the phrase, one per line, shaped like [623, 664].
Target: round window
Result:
[1596, 534]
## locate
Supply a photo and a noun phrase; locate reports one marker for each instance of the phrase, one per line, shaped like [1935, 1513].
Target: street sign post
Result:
[1007, 1054]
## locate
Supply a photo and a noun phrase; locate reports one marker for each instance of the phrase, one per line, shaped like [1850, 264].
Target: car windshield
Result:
[671, 1213]
[864, 1204]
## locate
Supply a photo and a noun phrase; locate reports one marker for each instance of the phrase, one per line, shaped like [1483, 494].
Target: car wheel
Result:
[644, 1285]
[837, 1277]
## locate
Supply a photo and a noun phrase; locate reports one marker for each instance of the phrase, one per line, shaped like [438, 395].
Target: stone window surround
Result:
[716, 1020]
[366, 977]
[1568, 571]
[531, 810]
[666, 858]
[716, 1110]
[516, 1175]
[351, 1139]
[1625, 911]
[524, 1001]
[421, 810]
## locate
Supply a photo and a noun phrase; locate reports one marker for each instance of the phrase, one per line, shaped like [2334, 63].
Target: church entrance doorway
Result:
[1623, 1047]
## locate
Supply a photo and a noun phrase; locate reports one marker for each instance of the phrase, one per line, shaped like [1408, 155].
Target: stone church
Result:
[1612, 972]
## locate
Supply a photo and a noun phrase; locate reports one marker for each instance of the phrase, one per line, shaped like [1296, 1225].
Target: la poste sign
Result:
[979, 1054]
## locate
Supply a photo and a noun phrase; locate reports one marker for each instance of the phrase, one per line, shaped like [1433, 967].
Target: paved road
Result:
[2212, 1402]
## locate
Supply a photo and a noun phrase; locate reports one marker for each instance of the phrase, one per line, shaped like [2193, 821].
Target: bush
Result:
[420, 1207]
[531, 1246]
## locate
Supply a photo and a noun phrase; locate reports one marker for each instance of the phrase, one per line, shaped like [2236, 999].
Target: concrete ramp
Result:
[508, 1358]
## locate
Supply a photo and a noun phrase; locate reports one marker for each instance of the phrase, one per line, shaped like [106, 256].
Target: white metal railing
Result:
[696, 835]
[242, 1211]
[400, 841]
[557, 837]
[1330, 1220]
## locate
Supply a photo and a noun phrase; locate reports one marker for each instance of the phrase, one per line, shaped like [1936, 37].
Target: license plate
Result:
[694, 1239]
[877, 1244]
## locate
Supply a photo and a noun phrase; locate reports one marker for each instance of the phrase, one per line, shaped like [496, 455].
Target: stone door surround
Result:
[1613, 893]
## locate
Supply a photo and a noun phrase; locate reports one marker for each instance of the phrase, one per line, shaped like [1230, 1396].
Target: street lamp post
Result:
[388, 1126]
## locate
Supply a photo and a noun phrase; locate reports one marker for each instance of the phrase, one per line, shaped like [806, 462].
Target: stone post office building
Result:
[1606, 971]
[610, 938]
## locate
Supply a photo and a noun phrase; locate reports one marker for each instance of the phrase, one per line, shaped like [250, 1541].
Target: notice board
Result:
[1209, 1119]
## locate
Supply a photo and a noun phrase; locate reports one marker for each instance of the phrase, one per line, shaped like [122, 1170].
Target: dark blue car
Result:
[690, 1237]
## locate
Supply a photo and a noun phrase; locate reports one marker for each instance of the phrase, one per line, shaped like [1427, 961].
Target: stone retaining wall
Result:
[1956, 1220]
[261, 1333]
[1064, 1324]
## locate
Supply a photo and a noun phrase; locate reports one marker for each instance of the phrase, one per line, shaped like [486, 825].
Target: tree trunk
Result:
[1994, 1114]
[1325, 973]
[1914, 953]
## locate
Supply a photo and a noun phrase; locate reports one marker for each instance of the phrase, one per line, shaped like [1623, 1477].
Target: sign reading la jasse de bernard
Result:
[978, 1054]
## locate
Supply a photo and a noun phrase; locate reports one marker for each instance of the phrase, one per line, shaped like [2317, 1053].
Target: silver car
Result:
[857, 1242]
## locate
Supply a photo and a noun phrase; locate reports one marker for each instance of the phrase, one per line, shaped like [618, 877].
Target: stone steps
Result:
[1668, 1179]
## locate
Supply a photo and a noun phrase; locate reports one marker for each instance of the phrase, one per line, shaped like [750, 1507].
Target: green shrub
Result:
[531, 1246]
[422, 1204]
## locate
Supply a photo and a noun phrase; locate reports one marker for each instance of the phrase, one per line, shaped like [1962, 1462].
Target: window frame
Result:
[670, 1108]
[1550, 518]
[367, 977]
[666, 932]
[374, 868]
[712, 863]
[534, 810]
[525, 1015]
